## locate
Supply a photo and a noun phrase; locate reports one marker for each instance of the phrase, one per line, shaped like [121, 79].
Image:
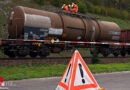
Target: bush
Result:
[40, 2]
[97, 10]
[125, 15]
[57, 3]
[89, 6]
[95, 59]
[117, 13]
[96, 2]
[82, 7]
[103, 10]
[113, 12]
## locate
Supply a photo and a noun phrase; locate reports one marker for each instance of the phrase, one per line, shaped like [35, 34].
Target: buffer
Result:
[77, 76]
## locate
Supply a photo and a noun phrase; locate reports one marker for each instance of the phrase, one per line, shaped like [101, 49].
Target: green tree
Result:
[82, 7]
[40, 2]
[57, 3]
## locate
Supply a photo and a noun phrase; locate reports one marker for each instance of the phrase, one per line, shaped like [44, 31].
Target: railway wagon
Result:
[28, 24]
[125, 38]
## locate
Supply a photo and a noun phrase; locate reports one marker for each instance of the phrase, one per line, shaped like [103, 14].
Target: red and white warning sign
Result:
[77, 76]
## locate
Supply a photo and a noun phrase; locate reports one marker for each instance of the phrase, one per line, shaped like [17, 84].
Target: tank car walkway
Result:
[110, 81]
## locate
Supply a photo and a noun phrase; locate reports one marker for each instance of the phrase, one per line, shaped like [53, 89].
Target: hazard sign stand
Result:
[77, 76]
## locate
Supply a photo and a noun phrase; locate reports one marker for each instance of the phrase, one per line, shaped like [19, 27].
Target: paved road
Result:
[110, 81]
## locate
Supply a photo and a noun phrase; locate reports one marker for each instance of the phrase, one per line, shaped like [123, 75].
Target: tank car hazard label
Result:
[114, 33]
[115, 37]
[38, 21]
[54, 31]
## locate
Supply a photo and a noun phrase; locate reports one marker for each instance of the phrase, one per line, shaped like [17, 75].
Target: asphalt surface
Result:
[109, 81]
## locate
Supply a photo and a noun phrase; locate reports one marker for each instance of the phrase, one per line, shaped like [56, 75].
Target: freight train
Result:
[31, 24]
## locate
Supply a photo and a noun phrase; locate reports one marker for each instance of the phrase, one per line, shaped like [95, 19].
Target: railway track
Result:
[57, 60]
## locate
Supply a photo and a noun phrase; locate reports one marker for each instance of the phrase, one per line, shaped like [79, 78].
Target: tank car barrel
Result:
[28, 23]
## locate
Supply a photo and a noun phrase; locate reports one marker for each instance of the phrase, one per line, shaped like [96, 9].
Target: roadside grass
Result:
[46, 70]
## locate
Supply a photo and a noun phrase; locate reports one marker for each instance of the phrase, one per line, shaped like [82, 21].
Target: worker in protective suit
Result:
[65, 8]
[74, 8]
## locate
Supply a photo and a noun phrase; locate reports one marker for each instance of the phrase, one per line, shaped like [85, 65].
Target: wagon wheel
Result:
[116, 52]
[129, 52]
[10, 52]
[44, 52]
[94, 51]
[105, 52]
[33, 54]
[123, 53]
[23, 52]
[33, 51]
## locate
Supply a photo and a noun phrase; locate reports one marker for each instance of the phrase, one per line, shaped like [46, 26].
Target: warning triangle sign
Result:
[77, 76]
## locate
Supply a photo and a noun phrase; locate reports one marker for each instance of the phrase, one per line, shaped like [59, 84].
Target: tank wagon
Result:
[32, 24]
[27, 23]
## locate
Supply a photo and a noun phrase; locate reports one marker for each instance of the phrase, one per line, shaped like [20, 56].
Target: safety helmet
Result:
[69, 5]
[64, 4]
[72, 3]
